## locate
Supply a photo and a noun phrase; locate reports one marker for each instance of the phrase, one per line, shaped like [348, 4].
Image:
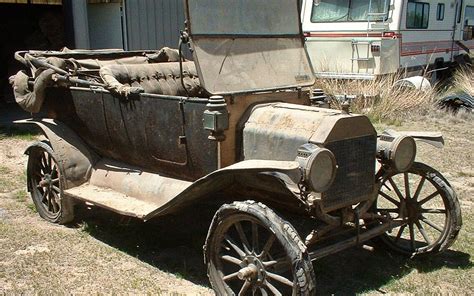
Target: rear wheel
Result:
[424, 200]
[251, 251]
[46, 185]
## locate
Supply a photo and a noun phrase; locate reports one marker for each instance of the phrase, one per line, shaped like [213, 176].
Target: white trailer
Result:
[363, 39]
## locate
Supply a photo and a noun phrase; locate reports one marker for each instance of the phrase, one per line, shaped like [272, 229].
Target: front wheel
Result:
[252, 251]
[428, 206]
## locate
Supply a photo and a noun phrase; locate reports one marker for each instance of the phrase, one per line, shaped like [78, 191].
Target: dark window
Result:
[469, 15]
[418, 15]
[460, 11]
[440, 12]
[350, 10]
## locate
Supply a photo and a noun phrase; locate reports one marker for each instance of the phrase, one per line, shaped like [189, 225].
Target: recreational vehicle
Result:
[363, 39]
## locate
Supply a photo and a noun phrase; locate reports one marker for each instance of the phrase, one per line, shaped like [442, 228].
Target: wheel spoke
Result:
[407, 185]
[267, 245]
[263, 291]
[235, 247]
[54, 181]
[389, 198]
[418, 189]
[423, 232]
[272, 289]
[56, 200]
[44, 196]
[429, 197]
[56, 188]
[50, 163]
[242, 236]
[279, 278]
[431, 224]
[244, 288]
[254, 237]
[269, 263]
[48, 198]
[230, 276]
[400, 232]
[53, 202]
[231, 259]
[433, 211]
[395, 187]
[412, 236]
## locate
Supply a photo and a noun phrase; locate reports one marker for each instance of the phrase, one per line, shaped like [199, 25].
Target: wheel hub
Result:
[413, 210]
[46, 181]
[253, 270]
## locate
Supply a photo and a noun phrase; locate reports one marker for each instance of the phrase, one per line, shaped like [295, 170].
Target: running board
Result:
[112, 200]
[127, 190]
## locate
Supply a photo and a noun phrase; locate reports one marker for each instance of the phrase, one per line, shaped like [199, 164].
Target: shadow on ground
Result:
[174, 244]
[8, 114]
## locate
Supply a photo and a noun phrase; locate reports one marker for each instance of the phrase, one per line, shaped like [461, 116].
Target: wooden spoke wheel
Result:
[252, 251]
[425, 201]
[45, 184]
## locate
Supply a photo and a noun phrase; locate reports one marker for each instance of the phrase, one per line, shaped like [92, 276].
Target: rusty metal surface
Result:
[130, 191]
[112, 200]
[134, 182]
[73, 154]
[239, 108]
[276, 131]
[161, 134]
[238, 50]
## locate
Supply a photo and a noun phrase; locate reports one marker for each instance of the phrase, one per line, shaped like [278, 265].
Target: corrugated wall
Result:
[152, 24]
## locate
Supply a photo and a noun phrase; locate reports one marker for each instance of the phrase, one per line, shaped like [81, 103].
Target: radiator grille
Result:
[356, 171]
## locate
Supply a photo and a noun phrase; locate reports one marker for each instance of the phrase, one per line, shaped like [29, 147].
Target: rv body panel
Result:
[387, 40]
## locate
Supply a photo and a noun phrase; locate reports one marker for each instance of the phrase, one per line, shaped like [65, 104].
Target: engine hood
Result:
[244, 46]
[276, 131]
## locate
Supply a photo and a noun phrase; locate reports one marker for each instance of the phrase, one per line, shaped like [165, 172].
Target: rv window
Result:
[418, 14]
[440, 12]
[469, 15]
[349, 10]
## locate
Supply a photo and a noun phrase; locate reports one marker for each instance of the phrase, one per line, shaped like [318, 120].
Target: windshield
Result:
[243, 46]
[244, 17]
[349, 10]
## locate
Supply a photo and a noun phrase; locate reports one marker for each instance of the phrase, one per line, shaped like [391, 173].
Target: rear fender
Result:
[75, 158]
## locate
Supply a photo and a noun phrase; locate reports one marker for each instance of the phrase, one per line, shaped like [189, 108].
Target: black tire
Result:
[277, 258]
[46, 185]
[423, 215]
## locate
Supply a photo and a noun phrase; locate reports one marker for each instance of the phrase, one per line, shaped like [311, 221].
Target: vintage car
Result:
[150, 133]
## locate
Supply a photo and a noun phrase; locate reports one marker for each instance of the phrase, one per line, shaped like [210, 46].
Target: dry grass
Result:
[464, 80]
[381, 101]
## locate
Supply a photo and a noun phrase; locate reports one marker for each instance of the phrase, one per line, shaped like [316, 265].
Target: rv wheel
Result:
[252, 251]
[425, 201]
[45, 184]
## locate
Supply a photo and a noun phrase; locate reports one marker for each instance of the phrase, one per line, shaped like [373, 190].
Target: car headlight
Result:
[318, 165]
[398, 152]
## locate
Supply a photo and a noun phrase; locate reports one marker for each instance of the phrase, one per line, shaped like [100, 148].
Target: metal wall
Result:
[152, 24]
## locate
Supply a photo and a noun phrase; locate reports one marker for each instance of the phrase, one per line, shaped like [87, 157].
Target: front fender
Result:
[249, 178]
[433, 138]
[73, 154]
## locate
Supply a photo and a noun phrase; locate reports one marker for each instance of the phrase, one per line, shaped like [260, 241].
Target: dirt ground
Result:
[105, 253]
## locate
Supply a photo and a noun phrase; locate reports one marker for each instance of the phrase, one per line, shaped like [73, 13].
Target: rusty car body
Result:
[149, 133]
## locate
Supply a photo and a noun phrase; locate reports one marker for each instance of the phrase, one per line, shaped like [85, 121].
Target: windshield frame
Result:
[346, 20]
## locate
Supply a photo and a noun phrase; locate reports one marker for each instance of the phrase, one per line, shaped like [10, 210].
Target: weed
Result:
[382, 101]
[21, 195]
[32, 207]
